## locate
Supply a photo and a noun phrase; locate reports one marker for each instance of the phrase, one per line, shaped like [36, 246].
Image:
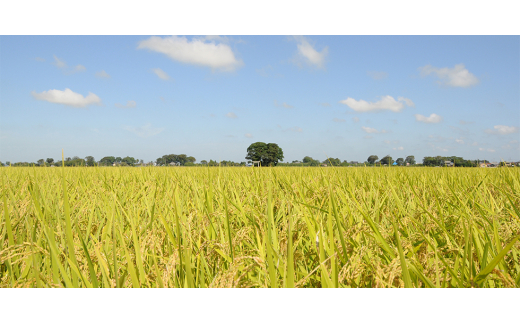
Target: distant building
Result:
[449, 163]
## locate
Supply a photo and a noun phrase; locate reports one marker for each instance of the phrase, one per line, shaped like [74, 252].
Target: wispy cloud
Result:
[338, 120]
[488, 149]
[462, 122]
[102, 74]
[502, 130]
[459, 141]
[355, 119]
[231, 115]
[369, 130]
[67, 97]
[377, 75]
[457, 76]
[129, 104]
[144, 131]
[398, 148]
[209, 52]
[283, 105]
[248, 135]
[39, 59]
[386, 103]
[433, 118]
[59, 63]
[294, 129]
[308, 55]
[161, 74]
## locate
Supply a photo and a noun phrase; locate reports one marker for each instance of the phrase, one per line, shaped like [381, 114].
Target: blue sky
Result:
[210, 97]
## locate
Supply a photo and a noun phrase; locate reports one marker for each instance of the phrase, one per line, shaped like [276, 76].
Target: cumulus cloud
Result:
[433, 118]
[161, 74]
[248, 135]
[386, 103]
[102, 74]
[231, 115]
[338, 120]
[309, 55]
[145, 131]
[67, 97]
[457, 76]
[199, 51]
[377, 75]
[502, 130]
[129, 104]
[283, 105]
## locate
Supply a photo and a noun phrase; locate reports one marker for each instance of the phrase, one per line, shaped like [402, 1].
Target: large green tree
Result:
[267, 154]
[387, 160]
[372, 159]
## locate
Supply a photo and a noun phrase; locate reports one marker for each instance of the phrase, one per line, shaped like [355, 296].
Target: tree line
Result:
[267, 154]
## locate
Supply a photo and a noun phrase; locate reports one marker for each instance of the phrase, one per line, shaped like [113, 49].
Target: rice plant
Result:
[259, 227]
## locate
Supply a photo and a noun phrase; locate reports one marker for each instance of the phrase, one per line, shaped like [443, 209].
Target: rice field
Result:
[259, 227]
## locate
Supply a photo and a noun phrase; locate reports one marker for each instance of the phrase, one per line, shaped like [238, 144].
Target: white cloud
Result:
[481, 149]
[369, 130]
[367, 137]
[198, 51]
[67, 97]
[283, 105]
[377, 75]
[161, 74]
[355, 119]
[398, 148]
[308, 54]
[102, 74]
[386, 103]
[145, 131]
[79, 68]
[502, 130]
[338, 120]
[459, 141]
[295, 129]
[433, 118]
[59, 63]
[129, 104]
[457, 76]
[231, 115]
[248, 135]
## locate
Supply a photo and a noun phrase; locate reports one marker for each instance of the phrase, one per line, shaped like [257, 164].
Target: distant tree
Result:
[118, 159]
[212, 163]
[50, 160]
[410, 160]
[90, 161]
[204, 162]
[387, 160]
[107, 161]
[332, 161]
[372, 159]
[267, 154]
[130, 161]
[307, 159]
[68, 159]
[400, 161]
[41, 162]
[75, 158]
[191, 159]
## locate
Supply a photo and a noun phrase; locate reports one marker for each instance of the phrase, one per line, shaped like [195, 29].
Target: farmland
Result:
[259, 227]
